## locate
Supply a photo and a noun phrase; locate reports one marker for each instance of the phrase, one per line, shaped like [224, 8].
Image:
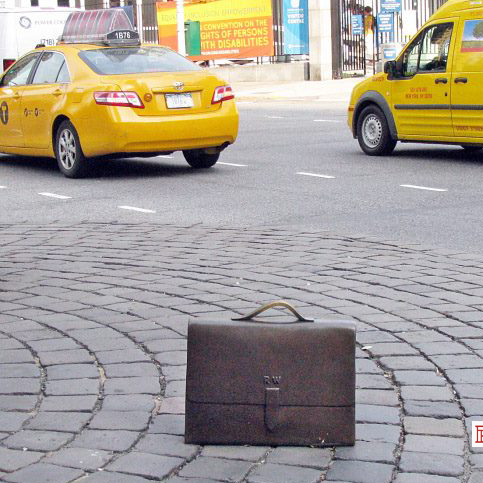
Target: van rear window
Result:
[135, 60]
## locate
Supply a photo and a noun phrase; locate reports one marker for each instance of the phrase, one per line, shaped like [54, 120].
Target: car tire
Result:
[199, 159]
[472, 149]
[68, 152]
[373, 132]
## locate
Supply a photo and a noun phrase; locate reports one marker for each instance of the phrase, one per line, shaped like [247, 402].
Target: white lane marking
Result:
[275, 117]
[165, 157]
[3, 187]
[133, 208]
[53, 195]
[233, 164]
[422, 187]
[316, 175]
[326, 120]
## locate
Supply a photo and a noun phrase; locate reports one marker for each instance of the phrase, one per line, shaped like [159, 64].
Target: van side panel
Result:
[467, 78]
[421, 101]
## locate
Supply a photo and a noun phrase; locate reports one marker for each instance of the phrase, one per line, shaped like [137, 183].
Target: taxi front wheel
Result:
[68, 152]
[199, 159]
[373, 132]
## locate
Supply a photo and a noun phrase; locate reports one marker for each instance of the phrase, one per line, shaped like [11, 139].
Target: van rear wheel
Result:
[373, 132]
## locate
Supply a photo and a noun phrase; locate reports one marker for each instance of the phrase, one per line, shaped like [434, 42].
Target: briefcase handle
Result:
[277, 303]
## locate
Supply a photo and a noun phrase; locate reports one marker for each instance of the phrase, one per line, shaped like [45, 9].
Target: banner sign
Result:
[385, 22]
[296, 27]
[228, 29]
[357, 24]
[389, 52]
[391, 5]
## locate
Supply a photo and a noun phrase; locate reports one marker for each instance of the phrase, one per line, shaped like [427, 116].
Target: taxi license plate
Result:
[179, 101]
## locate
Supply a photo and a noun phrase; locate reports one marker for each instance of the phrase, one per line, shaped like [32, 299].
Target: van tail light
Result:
[7, 63]
[118, 98]
[223, 93]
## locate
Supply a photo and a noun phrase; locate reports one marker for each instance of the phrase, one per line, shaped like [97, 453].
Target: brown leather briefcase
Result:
[264, 383]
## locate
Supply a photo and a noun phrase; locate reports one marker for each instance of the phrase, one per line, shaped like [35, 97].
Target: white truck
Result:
[22, 29]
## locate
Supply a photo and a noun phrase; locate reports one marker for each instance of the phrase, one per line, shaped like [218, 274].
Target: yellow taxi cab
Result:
[100, 92]
[432, 92]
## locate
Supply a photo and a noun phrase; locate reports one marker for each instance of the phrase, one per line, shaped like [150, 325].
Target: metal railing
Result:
[360, 53]
[149, 22]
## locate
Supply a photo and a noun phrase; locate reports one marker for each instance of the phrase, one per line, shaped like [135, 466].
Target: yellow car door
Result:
[42, 98]
[12, 86]
[467, 82]
[421, 88]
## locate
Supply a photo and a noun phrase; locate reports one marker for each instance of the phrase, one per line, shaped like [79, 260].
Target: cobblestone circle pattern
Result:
[93, 322]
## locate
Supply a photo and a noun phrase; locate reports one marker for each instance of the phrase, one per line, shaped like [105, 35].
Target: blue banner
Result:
[385, 23]
[389, 53]
[391, 5]
[357, 24]
[296, 27]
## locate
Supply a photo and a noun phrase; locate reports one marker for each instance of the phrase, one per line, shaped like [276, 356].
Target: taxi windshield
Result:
[135, 60]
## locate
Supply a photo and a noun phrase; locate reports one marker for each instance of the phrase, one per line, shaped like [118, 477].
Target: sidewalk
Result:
[336, 91]
[93, 350]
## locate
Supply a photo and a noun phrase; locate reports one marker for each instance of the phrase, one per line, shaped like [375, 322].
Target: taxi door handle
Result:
[461, 80]
[57, 92]
[16, 96]
[441, 80]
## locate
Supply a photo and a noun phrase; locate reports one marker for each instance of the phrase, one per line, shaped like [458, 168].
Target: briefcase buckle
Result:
[272, 408]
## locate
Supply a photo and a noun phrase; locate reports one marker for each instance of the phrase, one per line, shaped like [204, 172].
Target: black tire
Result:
[68, 152]
[472, 149]
[199, 159]
[373, 132]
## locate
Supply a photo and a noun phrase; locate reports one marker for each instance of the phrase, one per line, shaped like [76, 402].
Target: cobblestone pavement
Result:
[93, 351]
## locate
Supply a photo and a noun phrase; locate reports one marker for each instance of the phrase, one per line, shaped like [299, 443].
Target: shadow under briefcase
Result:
[264, 383]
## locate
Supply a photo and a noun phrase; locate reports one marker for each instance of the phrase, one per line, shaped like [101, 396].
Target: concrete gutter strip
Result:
[330, 91]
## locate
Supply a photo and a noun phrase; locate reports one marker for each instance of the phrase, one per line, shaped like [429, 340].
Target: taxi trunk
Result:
[150, 99]
[171, 93]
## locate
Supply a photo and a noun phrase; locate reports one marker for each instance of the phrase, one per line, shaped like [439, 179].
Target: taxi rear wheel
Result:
[68, 152]
[373, 132]
[199, 159]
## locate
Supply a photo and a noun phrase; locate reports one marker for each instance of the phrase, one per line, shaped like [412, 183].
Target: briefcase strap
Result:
[277, 303]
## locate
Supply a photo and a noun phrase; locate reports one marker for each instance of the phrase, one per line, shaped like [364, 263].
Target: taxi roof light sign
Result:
[105, 26]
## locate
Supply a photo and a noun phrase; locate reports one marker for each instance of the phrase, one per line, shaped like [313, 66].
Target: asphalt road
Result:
[258, 182]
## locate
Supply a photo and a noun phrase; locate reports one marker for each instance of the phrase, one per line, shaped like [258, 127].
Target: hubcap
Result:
[67, 149]
[372, 130]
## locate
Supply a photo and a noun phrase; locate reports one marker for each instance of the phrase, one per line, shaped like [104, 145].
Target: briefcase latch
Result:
[272, 408]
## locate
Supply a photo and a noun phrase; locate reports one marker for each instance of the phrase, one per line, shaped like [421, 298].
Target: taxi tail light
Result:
[7, 63]
[222, 93]
[118, 98]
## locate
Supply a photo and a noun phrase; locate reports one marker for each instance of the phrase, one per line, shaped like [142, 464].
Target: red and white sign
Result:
[477, 434]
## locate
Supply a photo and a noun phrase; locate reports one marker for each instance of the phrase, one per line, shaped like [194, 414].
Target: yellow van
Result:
[433, 92]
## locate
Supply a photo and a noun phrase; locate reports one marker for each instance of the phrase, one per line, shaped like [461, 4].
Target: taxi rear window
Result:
[135, 60]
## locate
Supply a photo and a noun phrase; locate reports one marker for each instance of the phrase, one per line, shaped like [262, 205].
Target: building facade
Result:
[347, 37]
